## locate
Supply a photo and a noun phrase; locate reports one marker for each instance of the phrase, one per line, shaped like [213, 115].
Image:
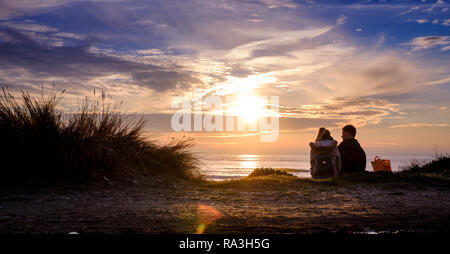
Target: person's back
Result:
[353, 157]
[324, 156]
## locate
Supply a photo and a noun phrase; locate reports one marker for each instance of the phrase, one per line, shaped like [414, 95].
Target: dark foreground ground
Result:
[258, 205]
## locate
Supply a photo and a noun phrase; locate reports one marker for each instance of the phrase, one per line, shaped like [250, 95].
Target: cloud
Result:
[255, 20]
[440, 81]
[438, 3]
[420, 125]
[381, 144]
[341, 20]
[41, 33]
[279, 3]
[162, 80]
[357, 73]
[426, 42]
[154, 51]
[10, 9]
[422, 21]
[145, 22]
[437, 6]
[275, 43]
[414, 8]
[358, 110]
[28, 26]
[79, 63]
[70, 36]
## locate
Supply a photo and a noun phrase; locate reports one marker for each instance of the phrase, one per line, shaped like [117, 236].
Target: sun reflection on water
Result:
[248, 161]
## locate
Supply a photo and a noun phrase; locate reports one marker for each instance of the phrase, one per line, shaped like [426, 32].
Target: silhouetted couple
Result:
[328, 159]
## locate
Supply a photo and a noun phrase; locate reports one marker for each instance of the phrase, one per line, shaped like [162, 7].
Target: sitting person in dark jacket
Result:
[353, 157]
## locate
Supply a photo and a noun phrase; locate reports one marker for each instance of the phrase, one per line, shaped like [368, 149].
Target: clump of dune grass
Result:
[439, 165]
[42, 144]
[418, 173]
[267, 171]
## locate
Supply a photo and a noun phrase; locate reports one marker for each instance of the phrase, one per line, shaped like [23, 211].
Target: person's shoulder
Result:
[326, 143]
[342, 144]
[323, 144]
[348, 144]
[356, 142]
[359, 145]
[334, 143]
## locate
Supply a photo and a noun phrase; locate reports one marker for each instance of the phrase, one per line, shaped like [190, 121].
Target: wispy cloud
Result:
[28, 26]
[358, 110]
[440, 81]
[70, 35]
[420, 125]
[422, 21]
[426, 42]
[341, 20]
[68, 62]
[414, 8]
[382, 144]
[437, 4]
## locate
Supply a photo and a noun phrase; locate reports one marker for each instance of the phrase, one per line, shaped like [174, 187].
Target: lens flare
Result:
[206, 215]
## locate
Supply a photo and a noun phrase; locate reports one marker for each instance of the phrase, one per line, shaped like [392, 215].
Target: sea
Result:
[234, 166]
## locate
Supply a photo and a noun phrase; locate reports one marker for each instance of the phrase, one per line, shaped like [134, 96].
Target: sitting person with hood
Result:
[324, 156]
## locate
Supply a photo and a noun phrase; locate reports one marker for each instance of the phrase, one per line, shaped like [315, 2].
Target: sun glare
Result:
[248, 107]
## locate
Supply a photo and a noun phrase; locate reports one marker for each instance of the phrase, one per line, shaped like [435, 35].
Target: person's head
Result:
[323, 134]
[348, 132]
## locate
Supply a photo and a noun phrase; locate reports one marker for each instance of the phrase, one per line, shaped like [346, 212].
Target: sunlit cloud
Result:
[70, 35]
[360, 111]
[341, 20]
[236, 86]
[414, 8]
[426, 42]
[422, 21]
[440, 81]
[28, 26]
[420, 125]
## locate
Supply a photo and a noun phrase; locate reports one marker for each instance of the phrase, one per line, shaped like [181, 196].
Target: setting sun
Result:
[248, 107]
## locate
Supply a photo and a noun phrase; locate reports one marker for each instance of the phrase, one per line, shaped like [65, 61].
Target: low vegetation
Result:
[268, 171]
[41, 144]
[435, 173]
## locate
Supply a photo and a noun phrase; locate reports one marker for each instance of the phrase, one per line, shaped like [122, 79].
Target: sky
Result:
[383, 66]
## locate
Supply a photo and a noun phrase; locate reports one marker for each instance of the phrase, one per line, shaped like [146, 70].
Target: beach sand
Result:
[253, 206]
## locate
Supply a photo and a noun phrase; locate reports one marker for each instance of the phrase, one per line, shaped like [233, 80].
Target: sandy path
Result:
[172, 209]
